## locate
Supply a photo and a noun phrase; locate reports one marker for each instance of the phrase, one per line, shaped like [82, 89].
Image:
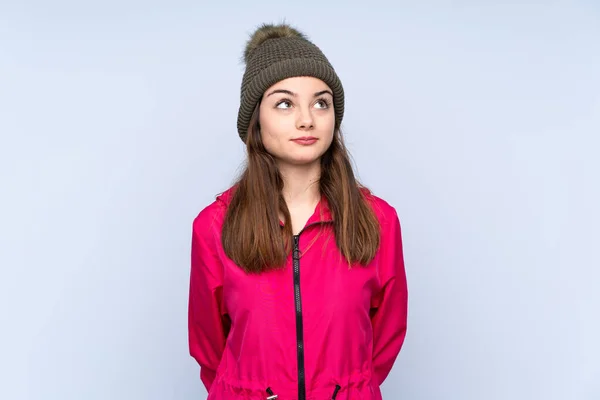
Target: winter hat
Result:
[277, 52]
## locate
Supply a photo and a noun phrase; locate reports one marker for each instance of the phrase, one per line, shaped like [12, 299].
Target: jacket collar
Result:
[322, 211]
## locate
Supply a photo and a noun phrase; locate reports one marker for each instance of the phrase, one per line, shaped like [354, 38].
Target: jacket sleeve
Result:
[390, 305]
[207, 330]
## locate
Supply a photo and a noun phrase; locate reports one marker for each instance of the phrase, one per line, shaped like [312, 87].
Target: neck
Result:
[301, 184]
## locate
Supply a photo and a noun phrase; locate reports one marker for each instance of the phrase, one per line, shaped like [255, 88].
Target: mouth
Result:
[305, 140]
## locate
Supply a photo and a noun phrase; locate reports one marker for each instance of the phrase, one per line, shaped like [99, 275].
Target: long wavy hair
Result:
[252, 236]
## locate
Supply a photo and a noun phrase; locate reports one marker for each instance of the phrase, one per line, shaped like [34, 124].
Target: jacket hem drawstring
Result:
[335, 392]
[272, 396]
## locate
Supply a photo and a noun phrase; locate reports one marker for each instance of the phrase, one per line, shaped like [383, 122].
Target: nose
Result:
[305, 121]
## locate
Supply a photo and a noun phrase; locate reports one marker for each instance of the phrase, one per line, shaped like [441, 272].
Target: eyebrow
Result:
[285, 91]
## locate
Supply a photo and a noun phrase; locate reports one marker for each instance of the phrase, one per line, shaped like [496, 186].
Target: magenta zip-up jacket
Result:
[315, 330]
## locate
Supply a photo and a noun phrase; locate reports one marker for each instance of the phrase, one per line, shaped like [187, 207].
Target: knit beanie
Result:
[277, 52]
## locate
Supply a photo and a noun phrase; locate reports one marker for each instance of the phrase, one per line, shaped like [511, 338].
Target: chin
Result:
[305, 162]
[302, 156]
[302, 160]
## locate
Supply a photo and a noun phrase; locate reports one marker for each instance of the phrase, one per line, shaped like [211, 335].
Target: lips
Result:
[305, 140]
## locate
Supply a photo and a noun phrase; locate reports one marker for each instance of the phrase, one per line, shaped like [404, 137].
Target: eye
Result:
[322, 103]
[283, 104]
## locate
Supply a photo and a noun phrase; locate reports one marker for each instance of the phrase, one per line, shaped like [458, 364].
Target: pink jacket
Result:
[315, 330]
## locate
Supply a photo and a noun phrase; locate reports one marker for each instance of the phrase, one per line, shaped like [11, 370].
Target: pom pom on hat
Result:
[270, 31]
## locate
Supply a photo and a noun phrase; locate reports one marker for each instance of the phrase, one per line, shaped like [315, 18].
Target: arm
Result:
[390, 306]
[206, 327]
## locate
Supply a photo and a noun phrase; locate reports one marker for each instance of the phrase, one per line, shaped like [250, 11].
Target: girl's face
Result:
[297, 120]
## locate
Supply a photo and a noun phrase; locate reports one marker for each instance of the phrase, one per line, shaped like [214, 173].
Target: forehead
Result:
[300, 85]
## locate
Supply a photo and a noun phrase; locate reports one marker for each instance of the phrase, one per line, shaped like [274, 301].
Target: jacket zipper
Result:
[299, 324]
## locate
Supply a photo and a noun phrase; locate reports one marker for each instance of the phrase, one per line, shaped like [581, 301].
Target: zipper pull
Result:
[271, 395]
[335, 392]
[296, 250]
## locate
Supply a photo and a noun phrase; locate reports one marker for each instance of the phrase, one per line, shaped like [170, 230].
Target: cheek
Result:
[274, 129]
[270, 140]
[328, 125]
[269, 129]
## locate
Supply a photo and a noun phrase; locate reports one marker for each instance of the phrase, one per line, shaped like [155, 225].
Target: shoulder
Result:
[384, 211]
[210, 218]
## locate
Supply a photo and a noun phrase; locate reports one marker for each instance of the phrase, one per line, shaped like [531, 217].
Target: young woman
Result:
[298, 288]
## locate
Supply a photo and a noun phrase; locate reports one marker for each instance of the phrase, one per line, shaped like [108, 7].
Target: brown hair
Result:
[252, 236]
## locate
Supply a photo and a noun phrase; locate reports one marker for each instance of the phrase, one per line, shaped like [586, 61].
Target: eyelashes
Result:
[282, 101]
[326, 103]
